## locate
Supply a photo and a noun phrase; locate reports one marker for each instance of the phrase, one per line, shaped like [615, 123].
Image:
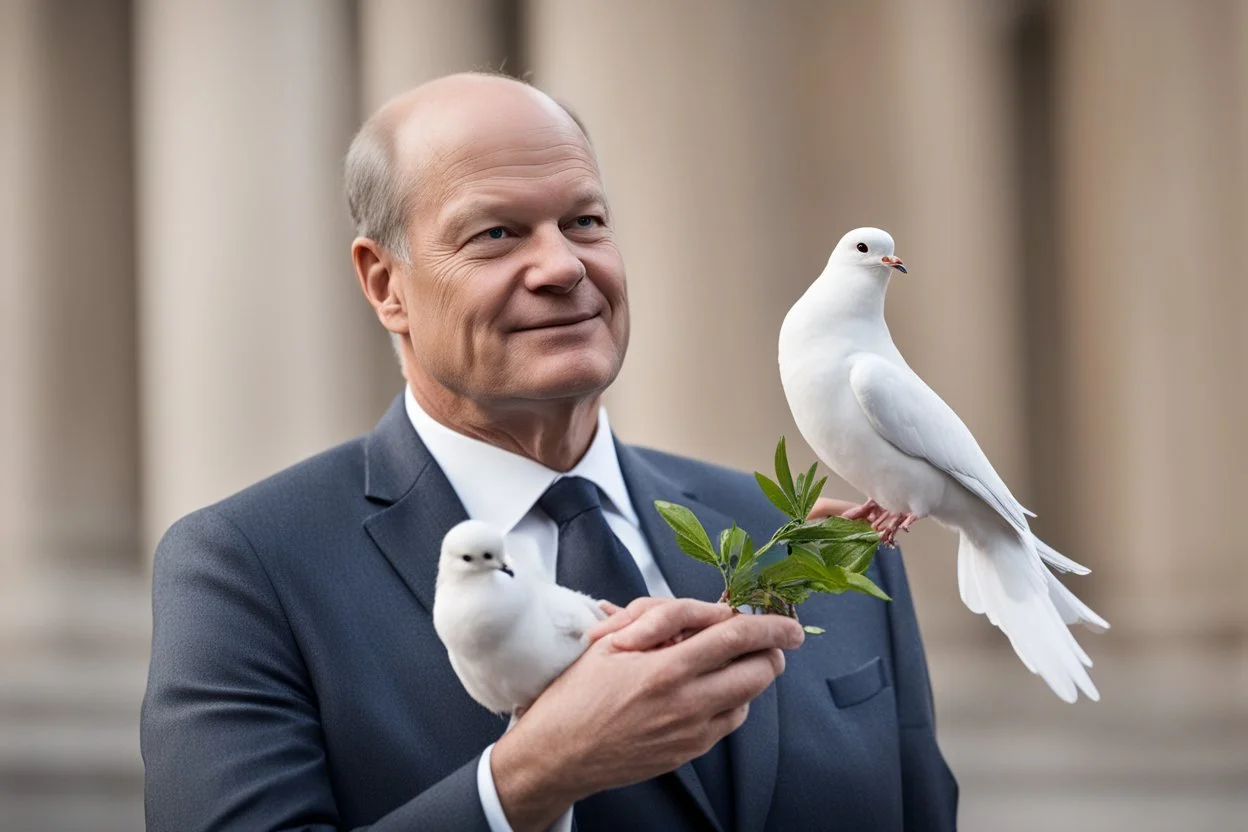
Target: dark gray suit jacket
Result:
[297, 683]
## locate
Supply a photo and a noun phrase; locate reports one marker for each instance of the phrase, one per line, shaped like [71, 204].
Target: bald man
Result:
[296, 680]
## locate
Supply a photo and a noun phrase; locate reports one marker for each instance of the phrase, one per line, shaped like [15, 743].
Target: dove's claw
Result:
[862, 511]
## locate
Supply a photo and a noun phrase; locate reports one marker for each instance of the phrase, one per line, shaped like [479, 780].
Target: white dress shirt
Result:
[502, 489]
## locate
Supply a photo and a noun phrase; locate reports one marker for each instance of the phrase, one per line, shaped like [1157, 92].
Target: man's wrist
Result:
[529, 785]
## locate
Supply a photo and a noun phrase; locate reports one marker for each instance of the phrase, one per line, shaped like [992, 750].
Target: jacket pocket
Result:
[857, 686]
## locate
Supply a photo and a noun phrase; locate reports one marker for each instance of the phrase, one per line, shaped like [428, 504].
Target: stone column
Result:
[945, 122]
[407, 42]
[68, 396]
[258, 346]
[1235, 302]
[694, 109]
[1151, 217]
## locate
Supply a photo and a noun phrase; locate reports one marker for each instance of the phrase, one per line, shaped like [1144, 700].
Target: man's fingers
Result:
[622, 616]
[729, 721]
[824, 507]
[740, 681]
[660, 623]
[715, 646]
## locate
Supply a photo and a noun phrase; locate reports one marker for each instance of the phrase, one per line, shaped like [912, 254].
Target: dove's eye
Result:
[862, 247]
[488, 556]
[468, 558]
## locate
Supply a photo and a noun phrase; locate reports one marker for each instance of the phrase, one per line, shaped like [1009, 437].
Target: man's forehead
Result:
[499, 163]
[471, 115]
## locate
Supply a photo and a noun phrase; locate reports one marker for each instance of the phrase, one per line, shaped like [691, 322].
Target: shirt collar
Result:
[500, 487]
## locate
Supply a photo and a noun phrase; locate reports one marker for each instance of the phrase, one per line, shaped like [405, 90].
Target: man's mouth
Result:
[564, 321]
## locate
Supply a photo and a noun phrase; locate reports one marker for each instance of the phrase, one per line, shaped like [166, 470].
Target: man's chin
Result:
[567, 377]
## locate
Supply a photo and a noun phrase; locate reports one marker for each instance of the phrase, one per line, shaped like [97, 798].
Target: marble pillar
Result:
[258, 346]
[407, 42]
[1150, 136]
[68, 396]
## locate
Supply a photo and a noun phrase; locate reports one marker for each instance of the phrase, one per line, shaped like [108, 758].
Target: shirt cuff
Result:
[493, 807]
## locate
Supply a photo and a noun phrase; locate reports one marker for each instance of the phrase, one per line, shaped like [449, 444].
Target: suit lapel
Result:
[421, 506]
[754, 748]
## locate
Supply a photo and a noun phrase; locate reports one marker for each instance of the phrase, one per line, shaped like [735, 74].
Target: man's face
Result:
[516, 289]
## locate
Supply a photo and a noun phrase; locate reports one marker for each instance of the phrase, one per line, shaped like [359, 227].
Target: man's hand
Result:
[631, 708]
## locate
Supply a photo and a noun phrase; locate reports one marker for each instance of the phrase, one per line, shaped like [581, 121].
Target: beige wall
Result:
[178, 315]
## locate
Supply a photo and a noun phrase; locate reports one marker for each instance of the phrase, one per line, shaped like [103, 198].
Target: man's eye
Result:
[498, 232]
[586, 221]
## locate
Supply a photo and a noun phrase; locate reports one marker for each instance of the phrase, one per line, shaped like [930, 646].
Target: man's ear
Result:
[375, 269]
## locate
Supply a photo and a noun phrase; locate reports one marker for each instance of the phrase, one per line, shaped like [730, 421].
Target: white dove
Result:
[508, 634]
[873, 421]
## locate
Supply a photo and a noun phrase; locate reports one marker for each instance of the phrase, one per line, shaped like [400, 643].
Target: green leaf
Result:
[862, 562]
[690, 536]
[813, 497]
[783, 475]
[854, 552]
[745, 557]
[791, 594]
[744, 581]
[774, 493]
[808, 482]
[791, 568]
[832, 528]
[863, 584]
[814, 631]
[731, 545]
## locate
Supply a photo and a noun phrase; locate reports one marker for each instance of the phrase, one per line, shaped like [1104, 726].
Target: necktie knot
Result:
[568, 498]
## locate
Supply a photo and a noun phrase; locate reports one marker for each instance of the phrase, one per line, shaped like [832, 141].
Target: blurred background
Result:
[1065, 180]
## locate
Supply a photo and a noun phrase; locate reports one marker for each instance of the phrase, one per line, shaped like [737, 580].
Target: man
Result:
[296, 680]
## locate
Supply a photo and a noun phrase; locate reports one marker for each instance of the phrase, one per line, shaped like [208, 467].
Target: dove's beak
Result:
[502, 567]
[895, 262]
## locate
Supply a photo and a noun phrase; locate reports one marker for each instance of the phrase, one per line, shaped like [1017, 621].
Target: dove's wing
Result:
[916, 421]
[572, 613]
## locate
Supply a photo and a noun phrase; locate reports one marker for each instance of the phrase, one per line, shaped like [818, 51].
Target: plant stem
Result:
[777, 537]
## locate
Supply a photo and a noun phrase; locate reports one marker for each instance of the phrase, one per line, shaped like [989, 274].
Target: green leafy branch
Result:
[829, 555]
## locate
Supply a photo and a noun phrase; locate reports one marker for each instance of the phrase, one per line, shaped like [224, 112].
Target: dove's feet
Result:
[887, 523]
[890, 523]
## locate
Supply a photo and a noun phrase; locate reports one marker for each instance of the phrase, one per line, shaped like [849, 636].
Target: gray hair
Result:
[376, 195]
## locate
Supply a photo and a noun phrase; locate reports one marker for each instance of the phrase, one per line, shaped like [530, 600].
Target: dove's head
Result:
[868, 247]
[472, 548]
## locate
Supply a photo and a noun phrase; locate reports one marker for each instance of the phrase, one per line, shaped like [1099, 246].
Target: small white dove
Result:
[873, 421]
[508, 634]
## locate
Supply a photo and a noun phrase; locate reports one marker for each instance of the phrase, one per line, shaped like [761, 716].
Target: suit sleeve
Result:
[929, 791]
[231, 734]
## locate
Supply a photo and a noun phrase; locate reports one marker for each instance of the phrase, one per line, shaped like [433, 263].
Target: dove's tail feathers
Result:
[1003, 580]
[1072, 610]
[1057, 560]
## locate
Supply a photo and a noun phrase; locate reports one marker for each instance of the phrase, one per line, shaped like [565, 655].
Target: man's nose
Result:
[555, 266]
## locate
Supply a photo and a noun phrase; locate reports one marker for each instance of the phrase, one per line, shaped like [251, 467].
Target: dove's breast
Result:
[835, 426]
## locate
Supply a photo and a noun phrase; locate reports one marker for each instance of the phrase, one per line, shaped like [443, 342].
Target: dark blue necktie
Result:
[591, 559]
